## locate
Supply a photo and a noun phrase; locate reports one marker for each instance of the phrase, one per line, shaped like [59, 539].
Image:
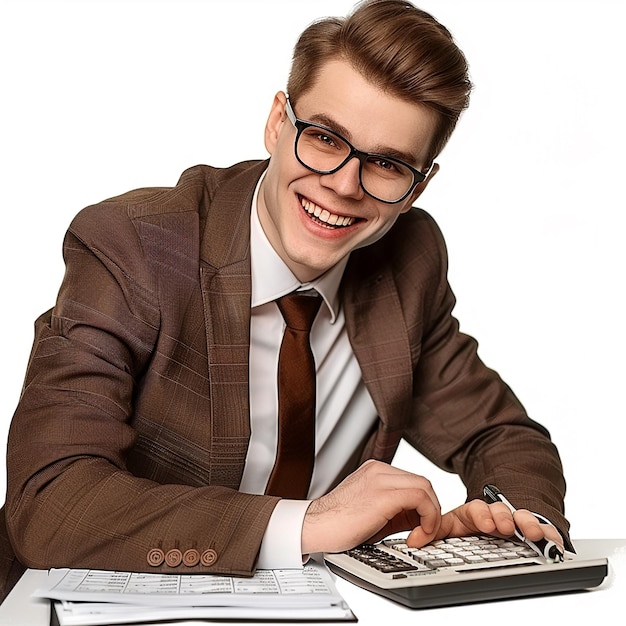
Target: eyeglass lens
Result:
[382, 177]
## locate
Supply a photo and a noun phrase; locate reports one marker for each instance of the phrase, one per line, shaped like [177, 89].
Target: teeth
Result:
[326, 216]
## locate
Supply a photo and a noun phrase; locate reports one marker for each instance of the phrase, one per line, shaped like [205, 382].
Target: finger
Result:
[409, 493]
[411, 502]
[405, 521]
[418, 537]
[467, 519]
[502, 518]
[395, 478]
[480, 516]
[534, 530]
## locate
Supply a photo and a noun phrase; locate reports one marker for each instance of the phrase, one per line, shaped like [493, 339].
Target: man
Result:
[149, 427]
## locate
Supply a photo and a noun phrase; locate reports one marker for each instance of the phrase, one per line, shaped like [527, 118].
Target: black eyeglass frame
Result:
[301, 125]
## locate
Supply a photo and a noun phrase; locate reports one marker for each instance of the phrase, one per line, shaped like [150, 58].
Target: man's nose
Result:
[345, 181]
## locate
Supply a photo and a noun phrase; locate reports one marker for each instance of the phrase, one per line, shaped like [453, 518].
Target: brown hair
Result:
[397, 47]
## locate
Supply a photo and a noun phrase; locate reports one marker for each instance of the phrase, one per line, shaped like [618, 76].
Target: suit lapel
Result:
[226, 291]
[378, 334]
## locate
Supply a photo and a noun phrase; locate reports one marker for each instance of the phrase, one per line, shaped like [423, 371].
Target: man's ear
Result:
[275, 121]
[419, 190]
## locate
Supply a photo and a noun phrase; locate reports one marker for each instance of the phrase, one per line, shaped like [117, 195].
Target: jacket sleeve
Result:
[468, 421]
[71, 499]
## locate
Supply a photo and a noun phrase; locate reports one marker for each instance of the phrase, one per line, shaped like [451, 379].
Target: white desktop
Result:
[19, 609]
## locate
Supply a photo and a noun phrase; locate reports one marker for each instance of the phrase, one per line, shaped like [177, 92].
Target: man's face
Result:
[372, 121]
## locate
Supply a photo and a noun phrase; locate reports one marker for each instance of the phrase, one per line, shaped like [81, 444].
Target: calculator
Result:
[462, 570]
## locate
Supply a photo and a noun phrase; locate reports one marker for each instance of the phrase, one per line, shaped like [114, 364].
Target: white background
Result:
[99, 97]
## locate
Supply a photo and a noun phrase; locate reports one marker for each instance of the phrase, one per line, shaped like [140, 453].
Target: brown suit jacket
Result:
[129, 441]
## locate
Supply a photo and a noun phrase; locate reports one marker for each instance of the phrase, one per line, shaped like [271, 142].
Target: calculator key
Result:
[474, 558]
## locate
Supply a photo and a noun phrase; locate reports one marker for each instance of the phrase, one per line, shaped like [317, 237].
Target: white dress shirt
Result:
[344, 409]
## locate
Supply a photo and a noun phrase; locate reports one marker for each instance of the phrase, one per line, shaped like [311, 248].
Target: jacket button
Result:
[173, 557]
[208, 557]
[155, 557]
[191, 557]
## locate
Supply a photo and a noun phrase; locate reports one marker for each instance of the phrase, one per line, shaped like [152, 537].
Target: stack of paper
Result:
[97, 597]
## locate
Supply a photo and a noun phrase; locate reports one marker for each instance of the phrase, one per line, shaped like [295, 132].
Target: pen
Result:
[543, 547]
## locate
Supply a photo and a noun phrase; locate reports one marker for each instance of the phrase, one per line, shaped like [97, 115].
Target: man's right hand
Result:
[374, 501]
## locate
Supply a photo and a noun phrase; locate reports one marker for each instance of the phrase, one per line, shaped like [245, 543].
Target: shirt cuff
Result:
[282, 543]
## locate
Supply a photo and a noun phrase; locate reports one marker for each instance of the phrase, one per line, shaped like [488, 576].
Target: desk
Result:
[20, 610]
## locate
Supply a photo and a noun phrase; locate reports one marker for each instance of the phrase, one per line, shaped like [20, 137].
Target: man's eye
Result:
[388, 166]
[327, 140]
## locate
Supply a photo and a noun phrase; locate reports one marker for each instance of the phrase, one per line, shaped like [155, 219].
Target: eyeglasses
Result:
[323, 151]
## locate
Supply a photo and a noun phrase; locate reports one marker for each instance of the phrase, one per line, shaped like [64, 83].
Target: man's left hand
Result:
[491, 519]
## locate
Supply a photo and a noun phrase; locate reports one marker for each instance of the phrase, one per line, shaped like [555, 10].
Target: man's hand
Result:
[373, 502]
[492, 519]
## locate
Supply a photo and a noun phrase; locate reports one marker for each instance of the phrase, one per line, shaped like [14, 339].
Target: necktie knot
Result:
[299, 310]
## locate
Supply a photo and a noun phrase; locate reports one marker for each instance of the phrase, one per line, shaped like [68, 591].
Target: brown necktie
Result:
[295, 454]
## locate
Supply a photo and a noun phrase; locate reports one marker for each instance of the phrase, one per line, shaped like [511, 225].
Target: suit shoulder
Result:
[413, 253]
[421, 224]
[414, 235]
[192, 194]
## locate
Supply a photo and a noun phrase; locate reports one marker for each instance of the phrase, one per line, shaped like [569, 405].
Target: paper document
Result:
[90, 597]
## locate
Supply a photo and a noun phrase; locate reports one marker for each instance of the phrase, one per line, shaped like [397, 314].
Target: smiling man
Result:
[153, 432]
[314, 221]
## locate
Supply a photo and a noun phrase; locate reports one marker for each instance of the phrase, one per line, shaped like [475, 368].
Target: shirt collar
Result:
[271, 278]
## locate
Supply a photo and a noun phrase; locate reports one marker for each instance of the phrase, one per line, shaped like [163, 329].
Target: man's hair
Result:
[397, 47]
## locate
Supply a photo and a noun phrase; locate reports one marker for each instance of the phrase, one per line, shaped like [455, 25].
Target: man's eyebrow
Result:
[331, 124]
[337, 128]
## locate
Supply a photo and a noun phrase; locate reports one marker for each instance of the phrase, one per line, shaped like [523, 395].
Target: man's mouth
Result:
[324, 217]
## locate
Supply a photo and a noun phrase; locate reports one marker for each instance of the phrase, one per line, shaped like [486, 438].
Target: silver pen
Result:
[543, 547]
